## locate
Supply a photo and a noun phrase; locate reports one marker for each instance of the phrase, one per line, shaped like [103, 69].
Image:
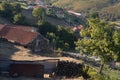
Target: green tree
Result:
[47, 27]
[19, 19]
[6, 9]
[52, 37]
[16, 8]
[64, 36]
[9, 10]
[40, 13]
[68, 38]
[94, 15]
[100, 39]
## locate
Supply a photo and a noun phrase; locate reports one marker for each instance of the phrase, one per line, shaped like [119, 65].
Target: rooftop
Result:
[18, 34]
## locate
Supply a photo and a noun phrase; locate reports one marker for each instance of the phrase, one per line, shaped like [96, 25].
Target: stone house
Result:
[24, 36]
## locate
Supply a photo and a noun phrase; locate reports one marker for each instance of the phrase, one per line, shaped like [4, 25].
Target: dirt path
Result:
[25, 54]
[14, 52]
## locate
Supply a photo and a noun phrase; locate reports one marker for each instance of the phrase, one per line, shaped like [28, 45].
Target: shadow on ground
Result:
[7, 50]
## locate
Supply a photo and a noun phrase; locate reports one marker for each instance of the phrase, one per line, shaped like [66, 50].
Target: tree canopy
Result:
[6, 9]
[100, 39]
[19, 19]
[40, 13]
[10, 10]
[64, 37]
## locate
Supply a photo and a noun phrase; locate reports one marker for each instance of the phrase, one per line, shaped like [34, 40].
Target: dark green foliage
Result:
[70, 69]
[46, 27]
[19, 19]
[11, 11]
[16, 8]
[100, 39]
[67, 36]
[94, 15]
[40, 13]
[64, 36]
[6, 9]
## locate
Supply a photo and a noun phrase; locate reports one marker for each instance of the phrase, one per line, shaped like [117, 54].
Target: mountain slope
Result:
[107, 9]
[111, 13]
[79, 5]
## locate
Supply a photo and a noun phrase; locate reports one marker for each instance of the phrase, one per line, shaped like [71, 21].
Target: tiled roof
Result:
[1, 26]
[80, 27]
[25, 28]
[18, 35]
[74, 28]
[77, 27]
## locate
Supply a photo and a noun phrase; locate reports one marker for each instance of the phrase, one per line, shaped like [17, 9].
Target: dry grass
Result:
[16, 52]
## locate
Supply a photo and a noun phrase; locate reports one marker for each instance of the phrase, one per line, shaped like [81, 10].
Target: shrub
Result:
[69, 69]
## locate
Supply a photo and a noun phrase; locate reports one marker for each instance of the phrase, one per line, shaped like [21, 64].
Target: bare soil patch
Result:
[15, 52]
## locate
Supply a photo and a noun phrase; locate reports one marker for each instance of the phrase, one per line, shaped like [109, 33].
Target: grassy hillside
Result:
[107, 9]
[111, 13]
[79, 5]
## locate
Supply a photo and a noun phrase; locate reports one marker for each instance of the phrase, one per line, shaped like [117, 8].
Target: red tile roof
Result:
[18, 35]
[74, 28]
[80, 27]
[25, 28]
[77, 27]
[1, 26]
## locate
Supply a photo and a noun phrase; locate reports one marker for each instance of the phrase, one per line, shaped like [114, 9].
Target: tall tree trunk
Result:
[101, 67]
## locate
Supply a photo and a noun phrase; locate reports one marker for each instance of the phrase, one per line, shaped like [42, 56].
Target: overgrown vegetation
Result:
[59, 36]
[40, 13]
[71, 70]
[111, 13]
[12, 11]
[107, 9]
[100, 39]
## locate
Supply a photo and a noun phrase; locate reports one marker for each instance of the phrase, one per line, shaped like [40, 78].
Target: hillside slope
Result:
[79, 5]
[111, 13]
[107, 9]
